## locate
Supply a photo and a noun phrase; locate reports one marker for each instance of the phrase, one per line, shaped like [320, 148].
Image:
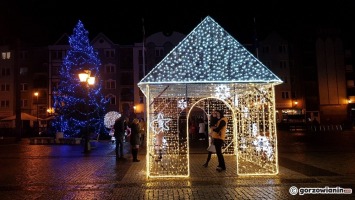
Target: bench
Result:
[69, 140]
[42, 140]
[7, 140]
[93, 140]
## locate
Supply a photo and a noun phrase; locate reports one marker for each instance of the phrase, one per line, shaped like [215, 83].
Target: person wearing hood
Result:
[219, 135]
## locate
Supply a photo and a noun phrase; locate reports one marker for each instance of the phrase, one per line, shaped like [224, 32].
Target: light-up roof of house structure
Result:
[209, 55]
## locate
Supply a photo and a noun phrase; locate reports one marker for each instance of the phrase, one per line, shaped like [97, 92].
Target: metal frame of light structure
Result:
[89, 80]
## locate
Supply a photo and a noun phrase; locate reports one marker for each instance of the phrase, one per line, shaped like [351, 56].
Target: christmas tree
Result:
[79, 105]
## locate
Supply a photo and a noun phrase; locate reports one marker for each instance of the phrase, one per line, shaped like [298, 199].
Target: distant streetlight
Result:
[89, 80]
[36, 94]
[134, 109]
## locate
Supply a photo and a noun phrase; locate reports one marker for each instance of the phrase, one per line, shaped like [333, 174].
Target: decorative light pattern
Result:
[209, 55]
[159, 124]
[110, 118]
[222, 91]
[236, 102]
[79, 107]
[255, 129]
[246, 112]
[182, 104]
[206, 61]
[263, 146]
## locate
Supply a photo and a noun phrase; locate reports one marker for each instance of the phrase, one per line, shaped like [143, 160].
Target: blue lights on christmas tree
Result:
[80, 107]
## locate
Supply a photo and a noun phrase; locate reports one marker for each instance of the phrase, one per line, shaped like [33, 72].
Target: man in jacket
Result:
[120, 128]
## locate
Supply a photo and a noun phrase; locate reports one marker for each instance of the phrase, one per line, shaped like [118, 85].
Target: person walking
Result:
[213, 122]
[135, 139]
[119, 127]
[219, 135]
[201, 130]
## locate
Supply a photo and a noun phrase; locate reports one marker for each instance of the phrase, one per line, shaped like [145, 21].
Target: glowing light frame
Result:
[251, 119]
[207, 58]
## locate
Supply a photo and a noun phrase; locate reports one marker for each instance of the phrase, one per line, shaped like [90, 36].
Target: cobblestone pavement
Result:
[312, 160]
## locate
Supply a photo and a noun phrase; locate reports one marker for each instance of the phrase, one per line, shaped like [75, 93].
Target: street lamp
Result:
[89, 80]
[36, 94]
[50, 111]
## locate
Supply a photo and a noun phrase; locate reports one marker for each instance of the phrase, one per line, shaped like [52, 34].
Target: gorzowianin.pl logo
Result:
[326, 190]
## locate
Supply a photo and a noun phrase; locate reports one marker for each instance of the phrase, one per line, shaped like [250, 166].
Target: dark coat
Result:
[135, 136]
[120, 127]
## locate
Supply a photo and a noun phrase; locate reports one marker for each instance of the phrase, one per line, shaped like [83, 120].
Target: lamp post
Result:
[50, 111]
[36, 94]
[89, 80]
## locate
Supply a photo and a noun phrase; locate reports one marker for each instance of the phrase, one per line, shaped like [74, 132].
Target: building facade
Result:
[318, 77]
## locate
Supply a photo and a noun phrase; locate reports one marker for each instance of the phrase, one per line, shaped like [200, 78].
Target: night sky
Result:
[43, 22]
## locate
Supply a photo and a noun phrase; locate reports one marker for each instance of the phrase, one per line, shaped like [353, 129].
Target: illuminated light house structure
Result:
[210, 70]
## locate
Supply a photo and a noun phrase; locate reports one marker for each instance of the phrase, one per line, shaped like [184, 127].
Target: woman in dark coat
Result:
[135, 139]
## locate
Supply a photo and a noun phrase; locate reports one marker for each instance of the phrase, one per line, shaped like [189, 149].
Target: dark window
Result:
[127, 94]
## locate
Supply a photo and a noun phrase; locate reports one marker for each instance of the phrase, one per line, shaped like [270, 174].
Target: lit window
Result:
[350, 83]
[6, 55]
